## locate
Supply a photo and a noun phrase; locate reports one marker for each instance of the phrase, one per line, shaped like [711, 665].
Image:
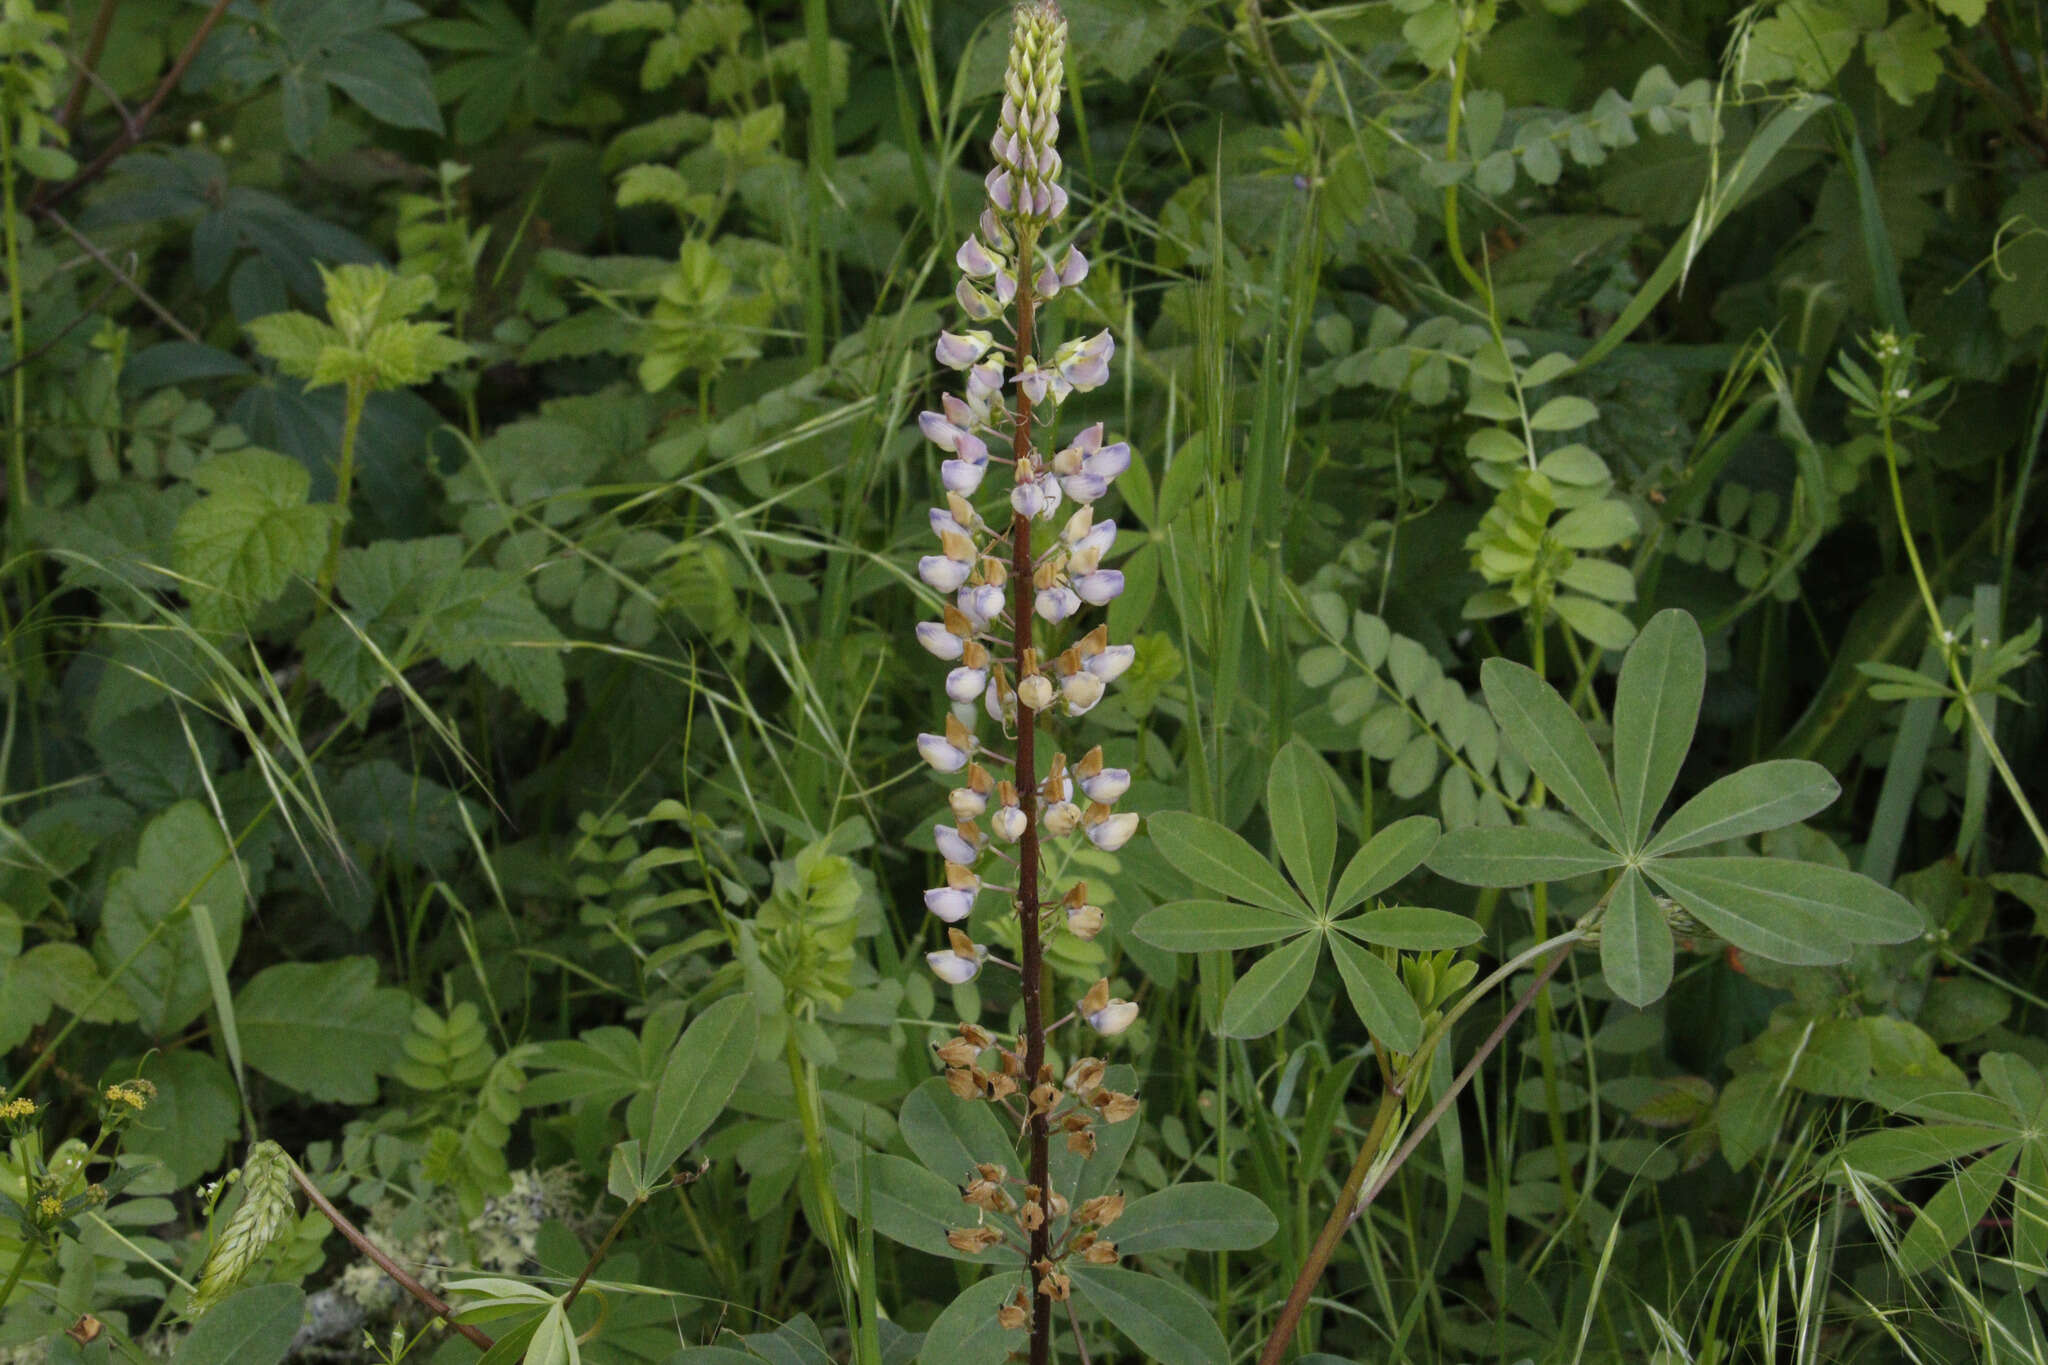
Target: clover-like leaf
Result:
[1549, 736]
[1304, 818]
[1656, 706]
[1219, 859]
[1391, 854]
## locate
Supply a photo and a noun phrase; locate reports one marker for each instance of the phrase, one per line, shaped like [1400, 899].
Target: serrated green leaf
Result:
[1211, 926]
[1549, 737]
[1219, 859]
[1264, 996]
[326, 1029]
[182, 860]
[242, 544]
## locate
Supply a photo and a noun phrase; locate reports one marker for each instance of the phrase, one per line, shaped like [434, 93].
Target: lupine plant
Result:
[1018, 657]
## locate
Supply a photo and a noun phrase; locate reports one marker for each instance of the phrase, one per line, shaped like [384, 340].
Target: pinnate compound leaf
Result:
[326, 1029]
[1413, 928]
[1656, 707]
[250, 1327]
[1383, 1003]
[1163, 1320]
[968, 1326]
[1635, 942]
[1208, 926]
[911, 1205]
[1763, 796]
[702, 1072]
[1264, 996]
[1515, 855]
[1801, 913]
[1550, 738]
[241, 545]
[1197, 1215]
[1304, 818]
[1219, 859]
[1391, 854]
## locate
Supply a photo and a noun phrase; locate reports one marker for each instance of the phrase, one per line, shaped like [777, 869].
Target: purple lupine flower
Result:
[957, 351]
[938, 641]
[975, 260]
[1099, 588]
[1110, 664]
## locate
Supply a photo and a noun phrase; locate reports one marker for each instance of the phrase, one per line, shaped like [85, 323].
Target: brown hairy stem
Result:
[429, 1300]
[1025, 773]
[1356, 1198]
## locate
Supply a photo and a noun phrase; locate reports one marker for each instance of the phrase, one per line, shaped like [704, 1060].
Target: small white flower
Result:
[1008, 824]
[985, 381]
[1110, 664]
[981, 603]
[957, 351]
[976, 304]
[1061, 818]
[1108, 831]
[1032, 382]
[1113, 1018]
[962, 476]
[1084, 921]
[1027, 499]
[974, 259]
[957, 968]
[955, 846]
[941, 753]
[1106, 786]
[965, 684]
[1035, 691]
[1081, 691]
[1101, 536]
[1099, 588]
[1073, 267]
[943, 572]
[1056, 603]
[938, 641]
[952, 903]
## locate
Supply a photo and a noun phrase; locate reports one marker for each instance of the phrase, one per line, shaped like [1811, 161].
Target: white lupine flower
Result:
[1060, 818]
[974, 259]
[1101, 536]
[1113, 1018]
[994, 233]
[968, 802]
[1099, 588]
[1000, 701]
[958, 963]
[958, 351]
[943, 573]
[965, 684]
[1073, 267]
[1107, 785]
[1084, 921]
[939, 431]
[1006, 287]
[1008, 823]
[985, 381]
[962, 476]
[954, 901]
[973, 302]
[1084, 363]
[982, 603]
[1110, 664]
[956, 846]
[1056, 603]
[939, 641]
[1031, 381]
[1081, 690]
[1027, 500]
[942, 755]
[944, 521]
[1035, 691]
[1106, 829]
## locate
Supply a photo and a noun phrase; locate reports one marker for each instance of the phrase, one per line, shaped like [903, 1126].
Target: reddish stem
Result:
[1026, 774]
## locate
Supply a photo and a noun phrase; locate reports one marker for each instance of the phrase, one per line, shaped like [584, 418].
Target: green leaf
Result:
[240, 546]
[1196, 1215]
[702, 1072]
[1595, 621]
[1208, 926]
[182, 860]
[1761, 797]
[195, 1115]
[1596, 526]
[250, 1327]
[488, 618]
[968, 1326]
[387, 77]
[295, 341]
[1566, 412]
[911, 1205]
[1517, 855]
[1893, 1153]
[1905, 56]
[1219, 859]
[1264, 996]
[1080, 1177]
[1163, 1320]
[1304, 818]
[1955, 1210]
[1391, 854]
[1635, 942]
[326, 1029]
[1802, 913]
[1545, 732]
[1413, 928]
[1656, 706]
[1383, 1003]
[952, 1136]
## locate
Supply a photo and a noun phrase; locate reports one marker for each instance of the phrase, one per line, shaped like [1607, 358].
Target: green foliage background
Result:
[462, 504]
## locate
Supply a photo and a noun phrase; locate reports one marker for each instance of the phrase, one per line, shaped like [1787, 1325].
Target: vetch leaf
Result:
[1264, 996]
[1208, 926]
[1383, 1003]
[1635, 942]
[1656, 707]
[1802, 913]
[1221, 860]
[1567, 412]
[1163, 1320]
[1304, 818]
[1516, 855]
[1196, 1215]
[702, 1072]
[1549, 737]
[1761, 797]
[1413, 928]
[1391, 854]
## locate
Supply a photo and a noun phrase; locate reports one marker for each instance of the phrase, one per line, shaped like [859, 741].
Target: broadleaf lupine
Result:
[1008, 595]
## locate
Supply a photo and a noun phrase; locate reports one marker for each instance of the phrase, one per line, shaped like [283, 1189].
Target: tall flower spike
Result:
[1024, 186]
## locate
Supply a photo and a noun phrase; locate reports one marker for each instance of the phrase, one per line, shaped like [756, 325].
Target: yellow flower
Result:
[15, 1110]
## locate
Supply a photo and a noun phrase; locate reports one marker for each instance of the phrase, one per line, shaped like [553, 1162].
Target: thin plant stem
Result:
[1025, 774]
[358, 397]
[603, 1248]
[428, 1299]
[17, 331]
[14, 1275]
